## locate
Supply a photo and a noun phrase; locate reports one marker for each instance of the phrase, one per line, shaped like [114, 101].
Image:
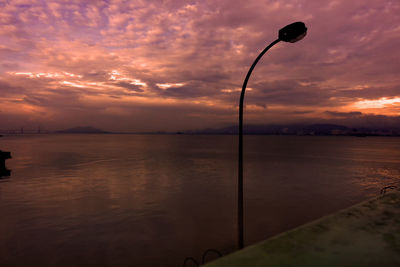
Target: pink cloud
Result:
[206, 47]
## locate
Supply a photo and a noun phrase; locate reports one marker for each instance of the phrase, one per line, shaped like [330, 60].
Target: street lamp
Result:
[291, 33]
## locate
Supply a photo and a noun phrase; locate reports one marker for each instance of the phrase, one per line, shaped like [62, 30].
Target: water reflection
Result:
[123, 200]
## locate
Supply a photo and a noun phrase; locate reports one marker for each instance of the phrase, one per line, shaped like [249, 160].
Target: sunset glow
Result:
[136, 56]
[386, 106]
[380, 103]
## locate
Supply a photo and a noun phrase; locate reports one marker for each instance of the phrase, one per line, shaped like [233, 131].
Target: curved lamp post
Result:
[291, 33]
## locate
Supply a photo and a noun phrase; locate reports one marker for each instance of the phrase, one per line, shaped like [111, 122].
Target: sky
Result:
[178, 65]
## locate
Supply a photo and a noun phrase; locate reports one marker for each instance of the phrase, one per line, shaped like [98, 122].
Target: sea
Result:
[154, 200]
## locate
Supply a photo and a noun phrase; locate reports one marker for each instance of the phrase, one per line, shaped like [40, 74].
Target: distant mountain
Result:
[298, 129]
[83, 130]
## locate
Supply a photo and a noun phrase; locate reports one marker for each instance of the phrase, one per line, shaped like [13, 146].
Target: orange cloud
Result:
[58, 57]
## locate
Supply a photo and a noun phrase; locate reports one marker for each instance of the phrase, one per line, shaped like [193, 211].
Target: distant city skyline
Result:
[178, 65]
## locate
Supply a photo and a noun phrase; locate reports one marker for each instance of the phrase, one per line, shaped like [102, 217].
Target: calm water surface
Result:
[152, 200]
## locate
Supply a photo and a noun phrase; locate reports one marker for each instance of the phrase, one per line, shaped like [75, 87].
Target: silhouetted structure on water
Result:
[3, 170]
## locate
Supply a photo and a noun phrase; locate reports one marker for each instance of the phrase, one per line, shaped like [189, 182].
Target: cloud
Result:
[130, 86]
[343, 114]
[9, 90]
[369, 121]
[123, 50]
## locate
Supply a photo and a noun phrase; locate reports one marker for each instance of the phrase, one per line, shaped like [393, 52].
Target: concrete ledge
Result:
[367, 234]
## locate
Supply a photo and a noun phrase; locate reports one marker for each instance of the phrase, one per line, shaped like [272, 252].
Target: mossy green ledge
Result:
[367, 234]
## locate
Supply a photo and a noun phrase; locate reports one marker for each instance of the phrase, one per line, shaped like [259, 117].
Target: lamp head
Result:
[293, 32]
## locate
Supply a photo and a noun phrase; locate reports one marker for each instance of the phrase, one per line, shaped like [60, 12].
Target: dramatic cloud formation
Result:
[169, 65]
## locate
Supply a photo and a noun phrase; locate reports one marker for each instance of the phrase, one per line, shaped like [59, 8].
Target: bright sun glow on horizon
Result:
[381, 103]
